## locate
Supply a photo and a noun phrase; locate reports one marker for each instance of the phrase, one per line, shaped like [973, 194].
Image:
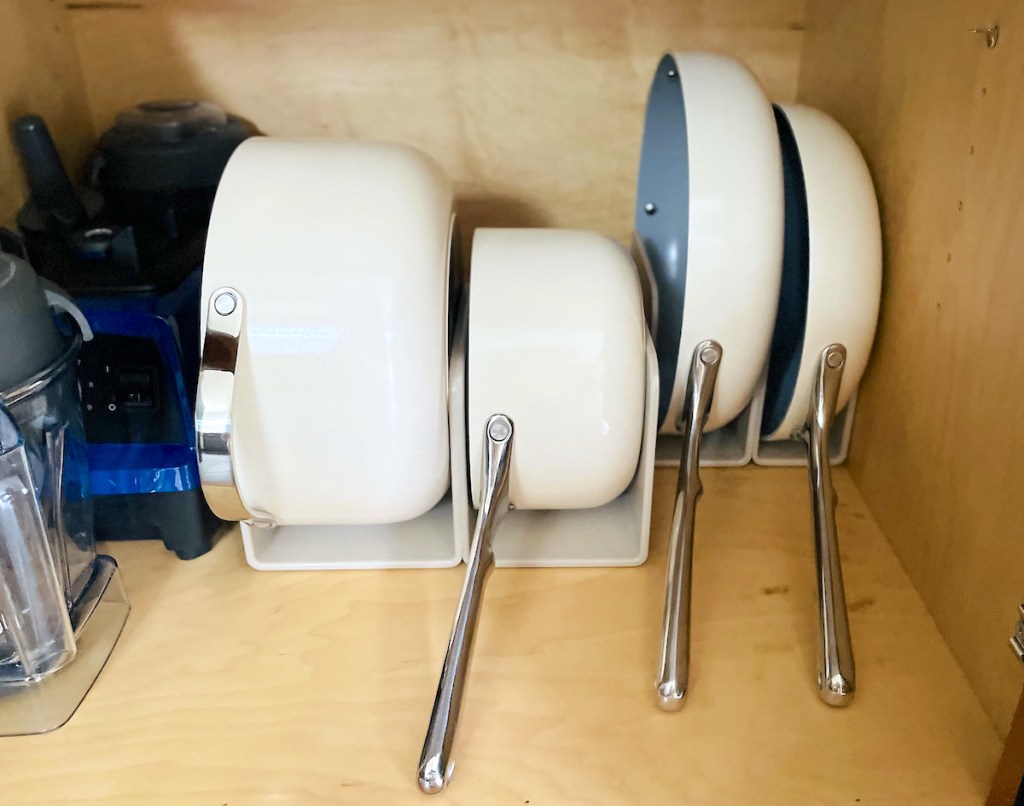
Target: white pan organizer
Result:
[334, 401]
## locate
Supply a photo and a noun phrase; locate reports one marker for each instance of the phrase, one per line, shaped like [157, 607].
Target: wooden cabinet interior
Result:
[535, 108]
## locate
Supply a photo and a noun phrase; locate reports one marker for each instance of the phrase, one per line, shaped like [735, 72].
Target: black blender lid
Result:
[167, 145]
[170, 120]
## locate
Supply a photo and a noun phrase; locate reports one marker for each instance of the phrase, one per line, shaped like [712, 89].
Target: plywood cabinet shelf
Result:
[232, 685]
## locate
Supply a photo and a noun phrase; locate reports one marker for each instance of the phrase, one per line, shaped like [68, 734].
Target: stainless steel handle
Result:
[213, 405]
[836, 677]
[675, 639]
[435, 760]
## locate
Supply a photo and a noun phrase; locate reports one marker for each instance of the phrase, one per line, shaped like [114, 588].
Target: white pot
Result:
[557, 343]
[338, 253]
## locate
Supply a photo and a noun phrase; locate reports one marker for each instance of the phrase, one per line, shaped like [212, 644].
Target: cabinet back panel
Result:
[938, 446]
[534, 107]
[41, 75]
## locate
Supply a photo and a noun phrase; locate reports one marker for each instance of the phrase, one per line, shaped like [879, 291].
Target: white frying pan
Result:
[828, 310]
[556, 384]
[709, 218]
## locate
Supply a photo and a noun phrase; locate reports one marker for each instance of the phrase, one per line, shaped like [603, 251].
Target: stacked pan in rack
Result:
[760, 231]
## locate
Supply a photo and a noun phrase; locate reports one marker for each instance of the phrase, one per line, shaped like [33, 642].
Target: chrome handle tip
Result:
[431, 779]
[670, 697]
[835, 356]
[710, 352]
[499, 427]
[225, 303]
[837, 691]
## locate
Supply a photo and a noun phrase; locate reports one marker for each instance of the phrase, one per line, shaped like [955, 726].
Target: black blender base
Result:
[182, 520]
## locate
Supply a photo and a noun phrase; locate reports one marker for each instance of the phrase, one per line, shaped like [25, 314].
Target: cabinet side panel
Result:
[938, 444]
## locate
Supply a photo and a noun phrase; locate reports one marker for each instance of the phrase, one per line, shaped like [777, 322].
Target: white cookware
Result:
[828, 310]
[709, 214]
[709, 218]
[556, 342]
[561, 385]
[323, 393]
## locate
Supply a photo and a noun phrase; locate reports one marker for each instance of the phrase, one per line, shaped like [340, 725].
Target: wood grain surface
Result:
[938, 446]
[242, 687]
[534, 107]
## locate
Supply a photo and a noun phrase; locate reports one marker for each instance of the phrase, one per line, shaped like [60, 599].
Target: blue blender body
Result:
[129, 249]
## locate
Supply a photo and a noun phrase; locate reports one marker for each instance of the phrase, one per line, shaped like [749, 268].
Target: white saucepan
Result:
[323, 389]
[828, 310]
[709, 218]
[556, 384]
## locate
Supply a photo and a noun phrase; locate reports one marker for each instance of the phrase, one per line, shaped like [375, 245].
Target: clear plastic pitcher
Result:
[47, 549]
